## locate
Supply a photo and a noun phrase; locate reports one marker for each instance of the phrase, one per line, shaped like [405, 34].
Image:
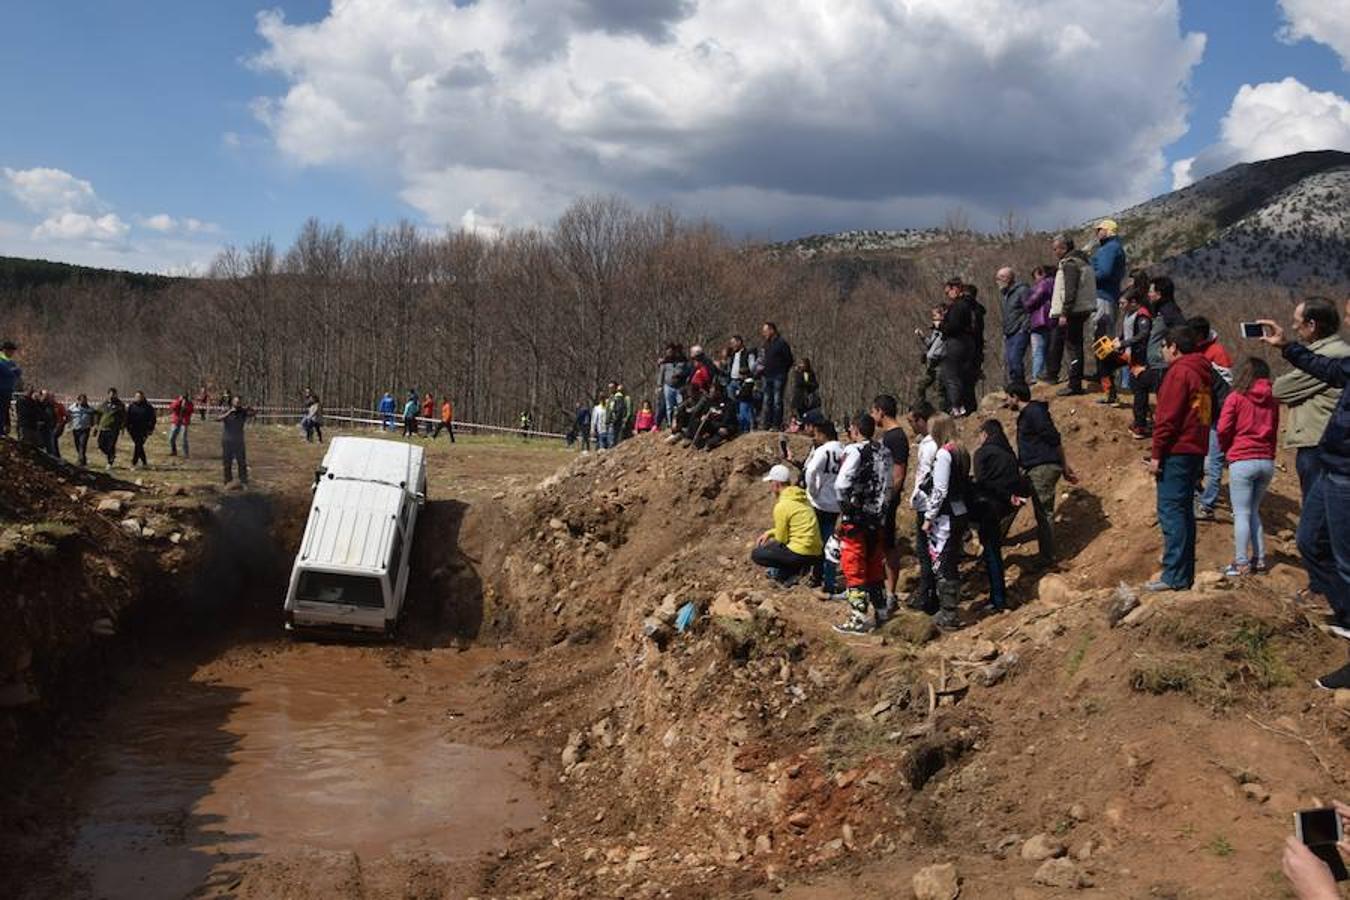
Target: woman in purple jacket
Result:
[1037, 305]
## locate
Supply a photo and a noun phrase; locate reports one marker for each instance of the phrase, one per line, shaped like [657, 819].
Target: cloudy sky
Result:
[147, 134]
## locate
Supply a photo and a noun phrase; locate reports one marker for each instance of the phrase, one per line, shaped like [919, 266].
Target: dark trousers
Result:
[107, 444]
[1324, 531]
[449, 428]
[1073, 345]
[991, 532]
[824, 571]
[1044, 482]
[947, 574]
[1177, 480]
[1015, 356]
[138, 448]
[409, 426]
[773, 402]
[773, 555]
[1141, 384]
[925, 594]
[952, 371]
[1054, 354]
[81, 438]
[6, 398]
[231, 452]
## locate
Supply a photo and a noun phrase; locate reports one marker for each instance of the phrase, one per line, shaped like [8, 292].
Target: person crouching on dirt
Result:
[948, 491]
[140, 425]
[81, 423]
[232, 448]
[792, 546]
[998, 493]
[688, 415]
[112, 415]
[863, 486]
[719, 423]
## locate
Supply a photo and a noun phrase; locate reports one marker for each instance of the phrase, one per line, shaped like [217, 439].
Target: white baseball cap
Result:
[779, 472]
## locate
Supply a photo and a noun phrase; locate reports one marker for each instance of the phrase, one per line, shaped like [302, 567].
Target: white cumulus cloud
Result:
[773, 113]
[1268, 120]
[1324, 21]
[73, 226]
[45, 190]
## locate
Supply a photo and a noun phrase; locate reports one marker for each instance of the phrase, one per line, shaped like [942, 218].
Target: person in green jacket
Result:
[112, 416]
[793, 545]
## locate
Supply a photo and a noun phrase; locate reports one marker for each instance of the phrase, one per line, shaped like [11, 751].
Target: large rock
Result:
[939, 882]
[1042, 846]
[109, 505]
[1062, 873]
[1055, 590]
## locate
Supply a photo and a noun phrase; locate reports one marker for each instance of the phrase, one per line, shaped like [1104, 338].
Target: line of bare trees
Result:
[535, 319]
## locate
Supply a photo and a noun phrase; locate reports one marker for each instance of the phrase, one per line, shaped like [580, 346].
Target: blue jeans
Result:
[604, 440]
[672, 400]
[991, 538]
[826, 569]
[1177, 478]
[1248, 480]
[1015, 356]
[1213, 471]
[1324, 539]
[745, 415]
[1039, 340]
[174, 432]
[773, 401]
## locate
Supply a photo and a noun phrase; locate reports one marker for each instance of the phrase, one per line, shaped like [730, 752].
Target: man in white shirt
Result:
[925, 594]
[819, 472]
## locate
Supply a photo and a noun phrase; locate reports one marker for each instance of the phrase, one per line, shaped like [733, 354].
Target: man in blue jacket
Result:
[1109, 265]
[387, 410]
[1327, 503]
[9, 379]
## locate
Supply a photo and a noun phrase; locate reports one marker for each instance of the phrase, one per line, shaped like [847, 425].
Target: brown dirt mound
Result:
[762, 749]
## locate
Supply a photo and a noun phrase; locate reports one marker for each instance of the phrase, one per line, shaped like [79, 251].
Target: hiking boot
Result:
[1259, 567]
[1335, 681]
[1159, 587]
[947, 621]
[854, 624]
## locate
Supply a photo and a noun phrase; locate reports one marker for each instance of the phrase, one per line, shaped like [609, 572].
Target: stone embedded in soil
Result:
[1211, 581]
[1256, 791]
[1342, 699]
[1062, 873]
[800, 820]
[939, 882]
[131, 527]
[109, 505]
[763, 845]
[996, 671]
[1078, 812]
[1055, 590]
[1042, 846]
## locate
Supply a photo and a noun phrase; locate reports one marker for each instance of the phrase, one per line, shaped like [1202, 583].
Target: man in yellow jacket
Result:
[792, 546]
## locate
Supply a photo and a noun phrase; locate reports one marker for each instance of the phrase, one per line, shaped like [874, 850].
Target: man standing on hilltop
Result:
[10, 374]
[232, 439]
[1040, 452]
[1180, 442]
[1327, 504]
[960, 340]
[1071, 305]
[885, 412]
[1108, 270]
[1162, 313]
[775, 362]
[1311, 402]
[1016, 324]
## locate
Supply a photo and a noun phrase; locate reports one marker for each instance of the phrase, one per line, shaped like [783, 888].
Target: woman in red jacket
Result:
[1248, 425]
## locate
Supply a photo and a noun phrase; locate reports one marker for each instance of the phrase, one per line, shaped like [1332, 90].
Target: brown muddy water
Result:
[311, 753]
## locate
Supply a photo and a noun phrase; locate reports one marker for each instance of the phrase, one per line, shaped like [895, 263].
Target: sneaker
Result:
[855, 624]
[1233, 570]
[674, 438]
[825, 596]
[1335, 681]
[1140, 434]
[892, 604]
[1158, 587]
[1259, 567]
[1070, 392]
[1204, 513]
[1340, 629]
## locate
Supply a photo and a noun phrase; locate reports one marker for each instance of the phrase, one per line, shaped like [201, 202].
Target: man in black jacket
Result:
[140, 425]
[232, 439]
[775, 362]
[28, 417]
[1016, 324]
[1041, 454]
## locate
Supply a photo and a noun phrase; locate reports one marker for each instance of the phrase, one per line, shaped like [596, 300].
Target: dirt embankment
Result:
[1155, 756]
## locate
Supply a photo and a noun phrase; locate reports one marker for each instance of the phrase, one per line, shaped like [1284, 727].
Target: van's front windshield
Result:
[344, 590]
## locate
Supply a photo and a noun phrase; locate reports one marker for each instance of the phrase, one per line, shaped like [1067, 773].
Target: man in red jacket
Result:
[1181, 426]
[180, 414]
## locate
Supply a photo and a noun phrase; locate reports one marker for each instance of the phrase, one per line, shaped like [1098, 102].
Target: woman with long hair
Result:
[998, 492]
[945, 519]
[1248, 425]
[1037, 305]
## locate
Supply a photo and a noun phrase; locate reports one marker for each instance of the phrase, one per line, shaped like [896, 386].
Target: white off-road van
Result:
[352, 569]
